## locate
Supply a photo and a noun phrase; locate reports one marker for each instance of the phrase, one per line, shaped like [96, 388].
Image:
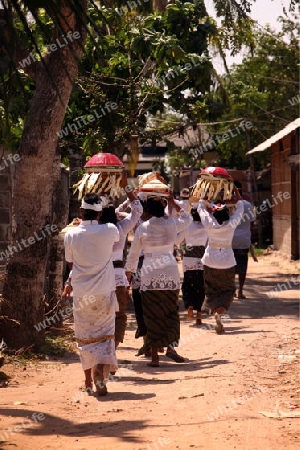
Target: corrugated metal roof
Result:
[264, 145]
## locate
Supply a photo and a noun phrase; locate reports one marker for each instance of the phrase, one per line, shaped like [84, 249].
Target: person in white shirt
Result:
[241, 242]
[109, 215]
[160, 277]
[218, 260]
[183, 202]
[135, 286]
[88, 252]
[195, 238]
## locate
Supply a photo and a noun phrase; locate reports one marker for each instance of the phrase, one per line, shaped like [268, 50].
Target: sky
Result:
[265, 12]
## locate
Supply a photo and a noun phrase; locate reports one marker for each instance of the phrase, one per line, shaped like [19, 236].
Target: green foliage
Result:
[33, 28]
[55, 345]
[128, 49]
[259, 91]
[13, 107]
[182, 159]
[236, 26]
[141, 63]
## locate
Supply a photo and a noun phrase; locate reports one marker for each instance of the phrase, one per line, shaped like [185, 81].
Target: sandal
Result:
[173, 355]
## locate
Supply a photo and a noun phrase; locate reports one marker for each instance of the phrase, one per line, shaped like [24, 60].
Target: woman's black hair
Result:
[195, 215]
[221, 215]
[109, 215]
[155, 206]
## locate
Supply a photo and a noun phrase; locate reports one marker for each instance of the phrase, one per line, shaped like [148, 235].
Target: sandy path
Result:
[211, 402]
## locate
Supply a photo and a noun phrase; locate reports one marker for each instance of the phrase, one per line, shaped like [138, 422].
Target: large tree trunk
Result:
[160, 5]
[22, 308]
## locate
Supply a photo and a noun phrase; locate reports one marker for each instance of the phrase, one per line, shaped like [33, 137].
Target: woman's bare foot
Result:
[190, 313]
[198, 318]
[89, 384]
[88, 379]
[155, 359]
[98, 376]
[172, 354]
[219, 328]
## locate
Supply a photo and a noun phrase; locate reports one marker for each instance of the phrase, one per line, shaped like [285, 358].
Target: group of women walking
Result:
[152, 270]
[208, 264]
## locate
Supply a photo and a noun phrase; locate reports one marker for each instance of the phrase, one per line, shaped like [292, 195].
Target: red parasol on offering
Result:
[107, 161]
[215, 172]
[103, 176]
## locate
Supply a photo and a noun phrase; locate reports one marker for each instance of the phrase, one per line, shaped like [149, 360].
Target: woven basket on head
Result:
[152, 183]
[214, 184]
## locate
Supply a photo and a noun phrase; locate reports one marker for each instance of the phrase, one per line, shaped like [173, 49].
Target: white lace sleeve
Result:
[134, 253]
[204, 215]
[237, 215]
[123, 206]
[180, 237]
[183, 220]
[131, 220]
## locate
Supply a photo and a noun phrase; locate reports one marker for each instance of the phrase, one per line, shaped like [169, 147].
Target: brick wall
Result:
[281, 183]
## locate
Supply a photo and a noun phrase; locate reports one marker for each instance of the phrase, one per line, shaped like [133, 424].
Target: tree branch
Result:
[12, 46]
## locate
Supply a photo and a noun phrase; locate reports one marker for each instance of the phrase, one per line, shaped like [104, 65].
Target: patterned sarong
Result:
[160, 309]
[94, 327]
[219, 287]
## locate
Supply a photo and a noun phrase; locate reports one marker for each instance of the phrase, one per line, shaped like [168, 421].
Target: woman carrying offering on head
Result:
[160, 278]
[195, 238]
[218, 260]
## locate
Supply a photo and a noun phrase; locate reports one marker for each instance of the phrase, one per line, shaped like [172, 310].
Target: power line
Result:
[201, 123]
[277, 79]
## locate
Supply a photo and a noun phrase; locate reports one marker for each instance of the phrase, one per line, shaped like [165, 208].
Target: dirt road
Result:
[219, 399]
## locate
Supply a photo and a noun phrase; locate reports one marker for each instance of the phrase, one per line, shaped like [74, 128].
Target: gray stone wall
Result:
[6, 174]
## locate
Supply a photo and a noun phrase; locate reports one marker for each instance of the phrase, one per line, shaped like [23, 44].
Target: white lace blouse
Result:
[156, 238]
[218, 253]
